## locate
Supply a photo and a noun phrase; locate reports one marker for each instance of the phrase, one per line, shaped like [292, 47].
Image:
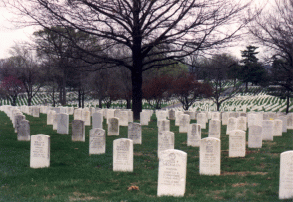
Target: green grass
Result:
[73, 175]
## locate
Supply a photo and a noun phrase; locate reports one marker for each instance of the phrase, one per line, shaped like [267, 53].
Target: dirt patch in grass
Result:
[138, 154]
[252, 152]
[81, 197]
[275, 155]
[243, 184]
[216, 194]
[261, 166]
[244, 173]
[270, 143]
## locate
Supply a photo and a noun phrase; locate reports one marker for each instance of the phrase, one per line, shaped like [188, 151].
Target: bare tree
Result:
[28, 70]
[218, 71]
[274, 30]
[177, 28]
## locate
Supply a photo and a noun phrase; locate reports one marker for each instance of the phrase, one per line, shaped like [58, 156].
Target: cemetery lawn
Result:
[73, 175]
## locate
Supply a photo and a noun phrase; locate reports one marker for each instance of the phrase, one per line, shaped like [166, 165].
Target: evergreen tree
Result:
[251, 70]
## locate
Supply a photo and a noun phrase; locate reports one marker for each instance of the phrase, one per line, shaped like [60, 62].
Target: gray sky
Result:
[9, 35]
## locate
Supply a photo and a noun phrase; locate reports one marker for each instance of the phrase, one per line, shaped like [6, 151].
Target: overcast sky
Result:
[10, 35]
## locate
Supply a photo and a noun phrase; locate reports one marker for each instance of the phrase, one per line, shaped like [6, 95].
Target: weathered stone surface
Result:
[78, 130]
[194, 135]
[237, 143]
[97, 144]
[63, 124]
[134, 132]
[113, 126]
[255, 137]
[210, 156]
[40, 151]
[286, 175]
[23, 133]
[172, 173]
[166, 140]
[215, 128]
[123, 155]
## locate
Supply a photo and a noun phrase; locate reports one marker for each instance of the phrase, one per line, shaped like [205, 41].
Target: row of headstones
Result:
[172, 163]
[235, 140]
[20, 124]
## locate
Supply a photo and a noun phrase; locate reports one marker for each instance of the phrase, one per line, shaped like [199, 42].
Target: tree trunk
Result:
[288, 104]
[79, 98]
[100, 103]
[128, 103]
[82, 99]
[14, 100]
[29, 100]
[53, 96]
[218, 106]
[137, 58]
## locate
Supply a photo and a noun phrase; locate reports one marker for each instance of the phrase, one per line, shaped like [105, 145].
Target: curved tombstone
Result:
[267, 130]
[286, 175]
[123, 155]
[113, 126]
[194, 135]
[40, 151]
[215, 128]
[23, 133]
[63, 123]
[172, 173]
[78, 130]
[97, 144]
[255, 137]
[166, 140]
[134, 132]
[210, 156]
[97, 120]
[237, 143]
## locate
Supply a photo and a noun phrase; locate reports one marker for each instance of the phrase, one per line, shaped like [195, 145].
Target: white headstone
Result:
[278, 126]
[284, 123]
[23, 133]
[50, 116]
[113, 126]
[123, 155]
[97, 140]
[40, 151]
[267, 130]
[194, 135]
[202, 120]
[144, 118]
[286, 175]
[210, 156]
[97, 121]
[225, 117]
[123, 118]
[86, 117]
[63, 124]
[134, 132]
[184, 123]
[241, 123]
[232, 125]
[166, 140]
[255, 137]
[237, 143]
[172, 173]
[78, 130]
[215, 128]
[77, 114]
[163, 125]
[55, 121]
